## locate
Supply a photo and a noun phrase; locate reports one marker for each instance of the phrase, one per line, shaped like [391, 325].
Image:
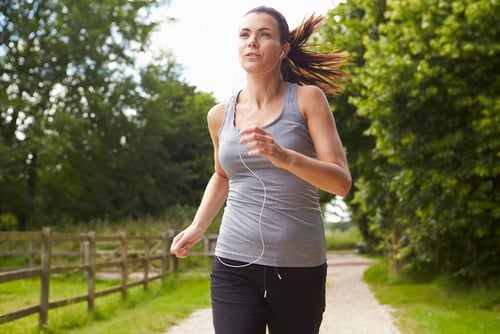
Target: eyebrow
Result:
[260, 29]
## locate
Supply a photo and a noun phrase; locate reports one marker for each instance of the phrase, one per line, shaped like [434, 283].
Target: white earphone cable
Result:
[264, 198]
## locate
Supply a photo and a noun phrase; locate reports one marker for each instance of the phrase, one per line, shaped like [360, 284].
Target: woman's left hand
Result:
[261, 143]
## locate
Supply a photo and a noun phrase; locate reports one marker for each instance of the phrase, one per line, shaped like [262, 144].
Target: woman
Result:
[275, 143]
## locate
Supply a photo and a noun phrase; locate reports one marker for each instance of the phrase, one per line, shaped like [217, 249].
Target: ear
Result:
[285, 50]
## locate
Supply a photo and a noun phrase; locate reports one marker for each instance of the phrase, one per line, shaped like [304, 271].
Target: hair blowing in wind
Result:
[307, 67]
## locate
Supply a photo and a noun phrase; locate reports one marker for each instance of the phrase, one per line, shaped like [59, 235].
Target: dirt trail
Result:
[351, 306]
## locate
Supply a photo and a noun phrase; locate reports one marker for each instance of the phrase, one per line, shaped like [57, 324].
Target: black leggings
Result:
[288, 300]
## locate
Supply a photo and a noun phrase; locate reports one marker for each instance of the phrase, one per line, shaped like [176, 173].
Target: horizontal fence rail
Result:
[121, 254]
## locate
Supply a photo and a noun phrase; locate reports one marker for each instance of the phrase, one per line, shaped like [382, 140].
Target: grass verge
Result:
[151, 311]
[438, 307]
[342, 239]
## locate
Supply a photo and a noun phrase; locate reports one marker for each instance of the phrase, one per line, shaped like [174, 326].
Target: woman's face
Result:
[259, 45]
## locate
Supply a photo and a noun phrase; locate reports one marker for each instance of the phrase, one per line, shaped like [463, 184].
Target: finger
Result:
[181, 253]
[180, 246]
[180, 250]
[254, 137]
[248, 129]
[176, 241]
[252, 129]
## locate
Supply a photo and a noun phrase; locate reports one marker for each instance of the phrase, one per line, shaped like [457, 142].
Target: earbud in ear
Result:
[282, 54]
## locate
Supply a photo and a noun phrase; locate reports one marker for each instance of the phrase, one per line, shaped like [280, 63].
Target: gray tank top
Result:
[265, 198]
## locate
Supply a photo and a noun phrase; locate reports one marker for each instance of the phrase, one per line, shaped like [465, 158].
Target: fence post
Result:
[90, 251]
[83, 252]
[123, 252]
[45, 275]
[164, 254]
[146, 262]
[32, 253]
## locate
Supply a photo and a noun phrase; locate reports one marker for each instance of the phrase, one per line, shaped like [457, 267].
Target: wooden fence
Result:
[96, 253]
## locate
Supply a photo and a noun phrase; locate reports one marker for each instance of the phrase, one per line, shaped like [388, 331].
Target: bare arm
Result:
[330, 171]
[213, 198]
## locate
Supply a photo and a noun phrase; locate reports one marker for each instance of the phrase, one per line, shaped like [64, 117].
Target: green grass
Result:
[439, 307]
[25, 292]
[338, 239]
[151, 311]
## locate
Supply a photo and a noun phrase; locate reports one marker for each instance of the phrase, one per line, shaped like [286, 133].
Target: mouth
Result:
[252, 54]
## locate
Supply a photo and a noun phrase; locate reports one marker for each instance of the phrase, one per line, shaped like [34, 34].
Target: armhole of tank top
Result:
[229, 106]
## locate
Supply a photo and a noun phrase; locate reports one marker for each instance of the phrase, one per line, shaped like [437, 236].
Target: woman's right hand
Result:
[185, 240]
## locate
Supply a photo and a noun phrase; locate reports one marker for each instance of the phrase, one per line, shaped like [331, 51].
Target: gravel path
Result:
[351, 307]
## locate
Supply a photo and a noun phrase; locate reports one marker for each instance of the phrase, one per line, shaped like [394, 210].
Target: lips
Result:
[252, 54]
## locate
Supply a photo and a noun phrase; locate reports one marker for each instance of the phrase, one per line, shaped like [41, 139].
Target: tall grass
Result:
[175, 217]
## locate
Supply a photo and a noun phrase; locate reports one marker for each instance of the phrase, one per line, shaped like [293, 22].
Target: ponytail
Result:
[306, 67]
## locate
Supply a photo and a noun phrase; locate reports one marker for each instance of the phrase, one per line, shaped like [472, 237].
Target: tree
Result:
[344, 29]
[170, 158]
[75, 116]
[428, 87]
[61, 63]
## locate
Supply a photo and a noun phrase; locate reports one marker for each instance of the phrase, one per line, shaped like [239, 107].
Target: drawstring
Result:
[277, 272]
[265, 281]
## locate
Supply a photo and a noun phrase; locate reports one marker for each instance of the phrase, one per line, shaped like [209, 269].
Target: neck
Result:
[261, 89]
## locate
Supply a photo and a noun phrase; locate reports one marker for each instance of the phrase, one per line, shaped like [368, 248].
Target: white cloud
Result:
[203, 40]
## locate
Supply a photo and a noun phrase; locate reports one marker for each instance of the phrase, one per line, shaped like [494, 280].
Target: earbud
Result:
[282, 54]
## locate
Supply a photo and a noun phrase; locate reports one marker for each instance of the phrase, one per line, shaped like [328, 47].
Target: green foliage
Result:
[428, 86]
[85, 134]
[344, 28]
[342, 239]
[8, 222]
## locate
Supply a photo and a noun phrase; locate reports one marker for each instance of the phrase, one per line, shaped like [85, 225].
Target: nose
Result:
[252, 41]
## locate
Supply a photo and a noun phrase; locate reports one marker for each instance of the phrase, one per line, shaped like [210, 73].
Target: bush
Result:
[8, 222]
[342, 239]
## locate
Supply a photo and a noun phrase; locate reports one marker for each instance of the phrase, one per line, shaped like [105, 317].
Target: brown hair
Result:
[302, 65]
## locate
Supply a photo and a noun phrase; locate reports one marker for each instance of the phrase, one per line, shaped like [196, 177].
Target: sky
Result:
[203, 38]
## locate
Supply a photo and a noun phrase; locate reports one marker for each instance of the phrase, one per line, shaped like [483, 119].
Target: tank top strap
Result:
[291, 93]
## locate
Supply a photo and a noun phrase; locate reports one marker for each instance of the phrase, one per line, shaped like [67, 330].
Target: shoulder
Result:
[311, 98]
[216, 115]
[310, 94]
